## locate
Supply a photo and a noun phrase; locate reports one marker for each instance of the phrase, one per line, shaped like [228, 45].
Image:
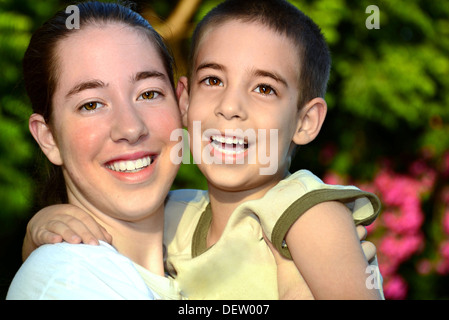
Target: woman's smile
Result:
[133, 171]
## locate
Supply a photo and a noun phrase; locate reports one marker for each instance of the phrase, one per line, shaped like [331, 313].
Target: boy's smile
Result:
[228, 145]
[244, 79]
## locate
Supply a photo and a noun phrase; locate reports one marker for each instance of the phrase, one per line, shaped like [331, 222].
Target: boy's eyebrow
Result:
[210, 65]
[270, 74]
[84, 85]
[256, 73]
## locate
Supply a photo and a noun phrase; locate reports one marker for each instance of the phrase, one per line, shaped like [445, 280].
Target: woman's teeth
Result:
[228, 145]
[130, 165]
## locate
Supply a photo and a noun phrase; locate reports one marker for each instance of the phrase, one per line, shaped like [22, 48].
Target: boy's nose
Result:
[231, 106]
[128, 125]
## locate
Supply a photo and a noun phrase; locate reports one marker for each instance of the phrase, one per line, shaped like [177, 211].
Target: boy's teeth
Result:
[130, 165]
[228, 140]
[228, 145]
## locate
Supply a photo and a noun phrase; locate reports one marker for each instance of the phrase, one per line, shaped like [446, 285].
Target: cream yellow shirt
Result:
[240, 265]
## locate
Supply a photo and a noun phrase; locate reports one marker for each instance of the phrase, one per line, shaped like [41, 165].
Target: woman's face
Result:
[113, 112]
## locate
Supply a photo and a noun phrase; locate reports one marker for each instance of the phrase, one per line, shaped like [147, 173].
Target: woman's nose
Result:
[128, 125]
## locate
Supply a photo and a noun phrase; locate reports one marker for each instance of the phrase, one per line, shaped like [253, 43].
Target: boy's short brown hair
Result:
[286, 19]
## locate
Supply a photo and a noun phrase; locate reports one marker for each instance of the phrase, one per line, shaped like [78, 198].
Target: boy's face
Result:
[243, 105]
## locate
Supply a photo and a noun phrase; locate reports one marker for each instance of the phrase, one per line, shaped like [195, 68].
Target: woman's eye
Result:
[149, 95]
[92, 106]
[213, 82]
[265, 89]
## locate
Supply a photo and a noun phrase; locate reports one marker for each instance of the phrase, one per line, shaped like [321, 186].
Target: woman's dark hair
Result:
[40, 66]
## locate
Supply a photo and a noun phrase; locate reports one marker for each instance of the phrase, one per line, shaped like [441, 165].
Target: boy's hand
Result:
[59, 223]
[369, 249]
[291, 284]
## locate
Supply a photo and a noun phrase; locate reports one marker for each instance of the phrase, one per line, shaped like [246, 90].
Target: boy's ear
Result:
[182, 92]
[44, 137]
[310, 121]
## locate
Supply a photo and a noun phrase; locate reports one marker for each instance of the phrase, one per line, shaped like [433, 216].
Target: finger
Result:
[274, 251]
[72, 230]
[63, 230]
[76, 223]
[276, 254]
[361, 232]
[369, 249]
[90, 228]
[43, 237]
[107, 237]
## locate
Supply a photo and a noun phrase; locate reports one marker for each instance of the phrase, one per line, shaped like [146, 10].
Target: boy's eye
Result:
[91, 106]
[149, 95]
[213, 82]
[265, 89]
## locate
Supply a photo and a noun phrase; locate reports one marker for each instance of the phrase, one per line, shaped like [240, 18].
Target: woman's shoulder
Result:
[60, 258]
[66, 251]
[78, 271]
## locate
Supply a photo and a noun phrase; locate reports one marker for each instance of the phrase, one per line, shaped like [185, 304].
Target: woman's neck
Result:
[140, 240]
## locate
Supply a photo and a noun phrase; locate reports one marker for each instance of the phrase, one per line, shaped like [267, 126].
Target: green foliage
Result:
[15, 147]
[387, 97]
[388, 83]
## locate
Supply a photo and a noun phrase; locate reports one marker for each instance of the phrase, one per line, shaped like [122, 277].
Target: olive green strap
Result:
[199, 240]
[297, 209]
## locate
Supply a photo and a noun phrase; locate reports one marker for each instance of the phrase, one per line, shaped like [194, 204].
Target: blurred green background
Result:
[387, 129]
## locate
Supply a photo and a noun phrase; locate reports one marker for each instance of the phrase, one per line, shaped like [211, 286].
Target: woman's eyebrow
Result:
[94, 83]
[90, 84]
[148, 74]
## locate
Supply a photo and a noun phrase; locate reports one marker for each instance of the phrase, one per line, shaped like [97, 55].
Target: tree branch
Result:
[177, 23]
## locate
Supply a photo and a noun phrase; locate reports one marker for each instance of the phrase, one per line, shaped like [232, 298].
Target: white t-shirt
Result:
[70, 272]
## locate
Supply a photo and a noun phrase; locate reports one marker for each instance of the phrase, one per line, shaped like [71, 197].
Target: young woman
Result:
[104, 108]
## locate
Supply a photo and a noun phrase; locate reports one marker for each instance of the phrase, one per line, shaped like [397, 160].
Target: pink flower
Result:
[444, 250]
[445, 195]
[333, 178]
[395, 288]
[446, 221]
[372, 227]
[398, 233]
[401, 248]
[442, 267]
[387, 265]
[407, 218]
[419, 167]
[424, 267]
[445, 165]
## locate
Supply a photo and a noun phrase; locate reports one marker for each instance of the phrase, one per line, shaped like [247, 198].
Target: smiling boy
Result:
[262, 65]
